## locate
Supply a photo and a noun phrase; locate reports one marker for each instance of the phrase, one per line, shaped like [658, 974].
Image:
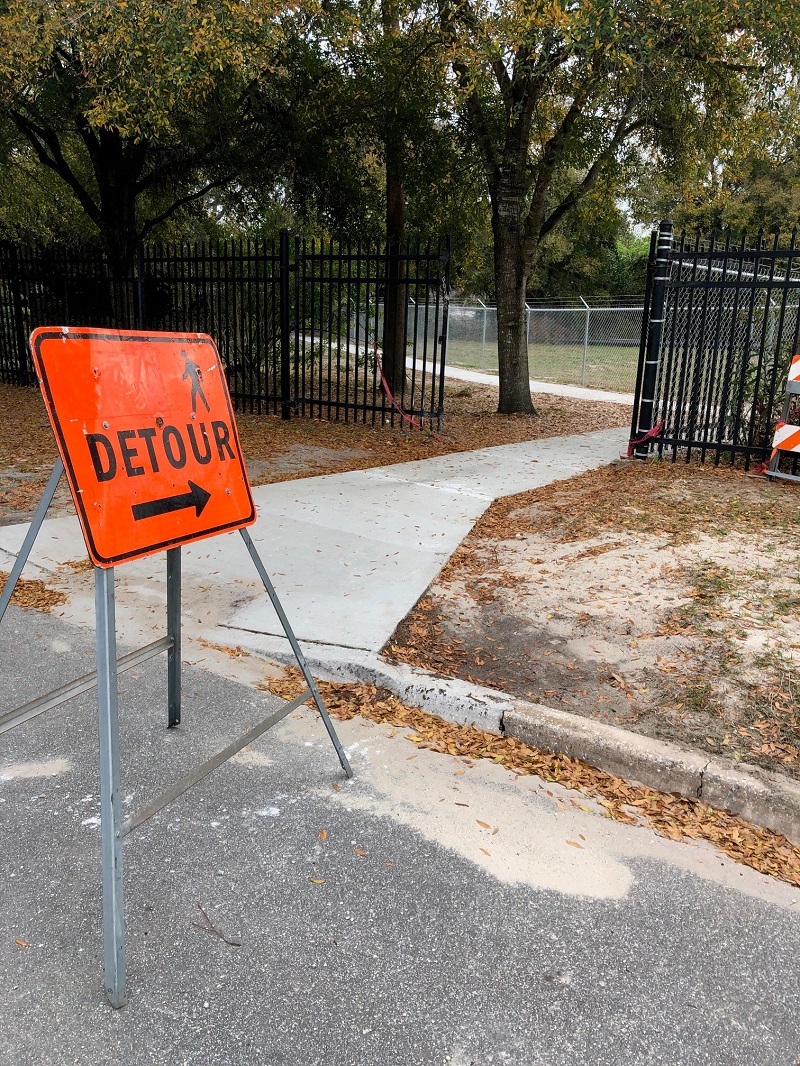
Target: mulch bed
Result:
[303, 447]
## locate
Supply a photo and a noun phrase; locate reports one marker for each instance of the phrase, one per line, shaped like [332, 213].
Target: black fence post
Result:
[141, 317]
[286, 377]
[445, 284]
[653, 348]
[24, 376]
[648, 295]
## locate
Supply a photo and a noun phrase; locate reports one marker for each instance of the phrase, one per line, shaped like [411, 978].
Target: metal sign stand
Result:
[113, 828]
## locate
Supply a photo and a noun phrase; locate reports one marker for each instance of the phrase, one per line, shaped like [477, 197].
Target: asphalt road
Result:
[455, 923]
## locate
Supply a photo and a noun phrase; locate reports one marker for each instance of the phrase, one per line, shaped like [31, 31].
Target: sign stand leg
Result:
[110, 797]
[301, 662]
[174, 634]
[31, 535]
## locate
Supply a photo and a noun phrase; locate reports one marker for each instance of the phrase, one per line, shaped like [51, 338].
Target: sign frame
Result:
[113, 826]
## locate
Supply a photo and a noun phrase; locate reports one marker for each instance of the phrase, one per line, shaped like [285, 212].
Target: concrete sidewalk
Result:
[349, 554]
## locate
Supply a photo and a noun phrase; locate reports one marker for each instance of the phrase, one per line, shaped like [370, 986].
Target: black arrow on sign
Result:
[196, 497]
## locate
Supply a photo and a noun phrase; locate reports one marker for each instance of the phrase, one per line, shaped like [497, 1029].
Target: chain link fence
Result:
[591, 344]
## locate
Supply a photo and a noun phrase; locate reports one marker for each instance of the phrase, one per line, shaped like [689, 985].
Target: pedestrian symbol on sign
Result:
[193, 372]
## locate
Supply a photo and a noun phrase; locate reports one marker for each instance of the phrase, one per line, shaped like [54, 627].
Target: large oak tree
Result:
[138, 106]
[558, 95]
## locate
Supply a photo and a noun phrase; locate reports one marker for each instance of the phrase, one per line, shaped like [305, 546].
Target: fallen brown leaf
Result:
[32, 594]
[674, 817]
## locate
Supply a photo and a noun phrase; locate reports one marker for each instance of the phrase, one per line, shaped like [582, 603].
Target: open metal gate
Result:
[720, 327]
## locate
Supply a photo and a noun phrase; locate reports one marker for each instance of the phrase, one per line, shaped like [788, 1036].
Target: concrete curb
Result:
[765, 798]
[768, 799]
[455, 700]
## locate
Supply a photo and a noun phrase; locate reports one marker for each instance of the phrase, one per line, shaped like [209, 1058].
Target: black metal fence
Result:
[721, 323]
[299, 325]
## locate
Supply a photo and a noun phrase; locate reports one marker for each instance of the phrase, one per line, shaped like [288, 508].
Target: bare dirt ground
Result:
[662, 598]
[302, 447]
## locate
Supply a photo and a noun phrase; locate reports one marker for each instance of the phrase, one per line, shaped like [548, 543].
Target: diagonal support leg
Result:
[301, 662]
[31, 535]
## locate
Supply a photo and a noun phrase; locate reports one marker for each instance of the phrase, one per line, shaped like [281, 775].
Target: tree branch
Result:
[475, 111]
[48, 151]
[549, 161]
[182, 201]
[621, 134]
[92, 144]
[504, 84]
[479, 124]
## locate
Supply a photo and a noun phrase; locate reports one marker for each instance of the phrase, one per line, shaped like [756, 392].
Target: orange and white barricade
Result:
[787, 436]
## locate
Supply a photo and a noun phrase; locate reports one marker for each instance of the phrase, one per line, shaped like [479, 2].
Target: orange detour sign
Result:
[145, 427]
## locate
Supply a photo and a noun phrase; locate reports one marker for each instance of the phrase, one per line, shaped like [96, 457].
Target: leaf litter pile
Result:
[32, 594]
[656, 596]
[670, 815]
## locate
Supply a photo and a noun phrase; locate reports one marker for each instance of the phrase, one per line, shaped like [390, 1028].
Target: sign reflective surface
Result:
[145, 427]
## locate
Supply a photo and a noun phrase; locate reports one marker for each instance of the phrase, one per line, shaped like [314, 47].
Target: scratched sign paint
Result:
[145, 427]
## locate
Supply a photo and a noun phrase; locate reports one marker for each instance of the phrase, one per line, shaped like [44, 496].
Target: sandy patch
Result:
[671, 612]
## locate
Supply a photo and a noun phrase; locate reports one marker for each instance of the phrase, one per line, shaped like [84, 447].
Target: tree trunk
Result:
[116, 179]
[120, 237]
[511, 280]
[396, 294]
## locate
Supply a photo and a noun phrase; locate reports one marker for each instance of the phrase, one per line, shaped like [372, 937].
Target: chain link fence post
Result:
[585, 342]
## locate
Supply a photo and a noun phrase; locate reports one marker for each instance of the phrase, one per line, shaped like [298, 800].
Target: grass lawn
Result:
[611, 367]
